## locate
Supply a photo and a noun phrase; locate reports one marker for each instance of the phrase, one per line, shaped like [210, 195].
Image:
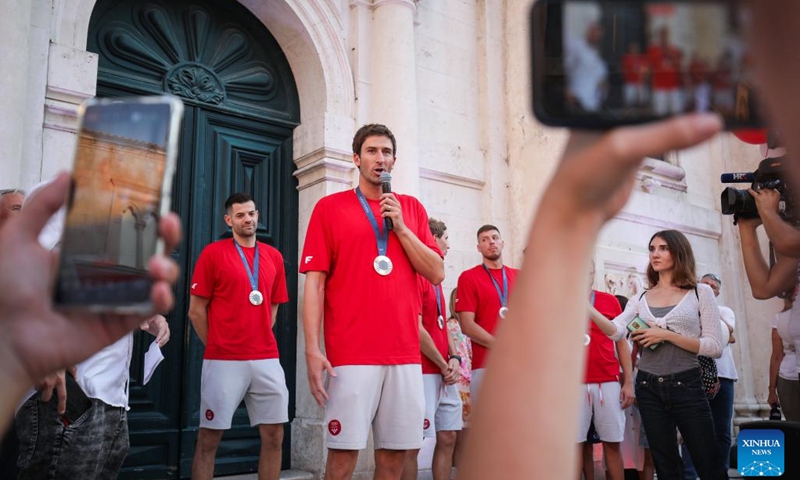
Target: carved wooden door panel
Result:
[241, 109]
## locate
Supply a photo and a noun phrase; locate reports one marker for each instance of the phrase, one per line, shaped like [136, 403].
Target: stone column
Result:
[15, 24]
[393, 85]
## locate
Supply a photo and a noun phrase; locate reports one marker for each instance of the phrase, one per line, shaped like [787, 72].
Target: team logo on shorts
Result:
[335, 427]
[209, 414]
[426, 424]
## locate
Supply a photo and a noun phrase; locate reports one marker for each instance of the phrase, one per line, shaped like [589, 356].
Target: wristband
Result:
[458, 357]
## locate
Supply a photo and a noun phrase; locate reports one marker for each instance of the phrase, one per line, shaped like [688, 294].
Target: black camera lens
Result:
[738, 202]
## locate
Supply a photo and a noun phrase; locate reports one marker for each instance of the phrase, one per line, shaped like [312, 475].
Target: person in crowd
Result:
[10, 204]
[464, 350]
[634, 73]
[366, 240]
[587, 72]
[722, 403]
[607, 394]
[236, 289]
[39, 340]
[665, 61]
[441, 366]
[682, 322]
[482, 300]
[784, 384]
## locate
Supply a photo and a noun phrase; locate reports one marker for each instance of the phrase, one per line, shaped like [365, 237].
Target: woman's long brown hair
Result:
[683, 271]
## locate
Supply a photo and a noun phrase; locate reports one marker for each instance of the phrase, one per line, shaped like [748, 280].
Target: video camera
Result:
[741, 204]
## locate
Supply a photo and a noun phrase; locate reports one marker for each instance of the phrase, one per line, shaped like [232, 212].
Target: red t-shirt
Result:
[633, 66]
[370, 319]
[602, 364]
[430, 320]
[666, 67]
[477, 294]
[237, 329]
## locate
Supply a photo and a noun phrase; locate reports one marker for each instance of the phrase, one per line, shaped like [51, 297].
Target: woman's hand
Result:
[651, 336]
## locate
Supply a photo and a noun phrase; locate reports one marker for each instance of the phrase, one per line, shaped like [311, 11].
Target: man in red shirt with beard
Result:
[482, 299]
[362, 275]
[236, 288]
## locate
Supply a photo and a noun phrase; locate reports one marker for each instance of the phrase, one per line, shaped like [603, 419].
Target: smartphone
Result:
[639, 324]
[122, 178]
[601, 64]
[78, 402]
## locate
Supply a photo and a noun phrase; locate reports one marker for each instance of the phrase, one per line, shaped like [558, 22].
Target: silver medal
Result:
[441, 322]
[256, 298]
[383, 265]
[503, 312]
[586, 339]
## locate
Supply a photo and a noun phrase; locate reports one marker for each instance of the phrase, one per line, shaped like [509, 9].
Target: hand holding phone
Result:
[122, 180]
[637, 325]
[600, 64]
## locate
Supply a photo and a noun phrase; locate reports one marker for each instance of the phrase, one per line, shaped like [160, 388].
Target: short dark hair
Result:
[487, 228]
[437, 227]
[373, 130]
[238, 197]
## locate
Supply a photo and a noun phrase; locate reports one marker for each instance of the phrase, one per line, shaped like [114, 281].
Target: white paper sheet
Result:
[151, 360]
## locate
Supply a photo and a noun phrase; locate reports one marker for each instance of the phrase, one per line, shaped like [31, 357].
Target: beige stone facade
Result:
[451, 79]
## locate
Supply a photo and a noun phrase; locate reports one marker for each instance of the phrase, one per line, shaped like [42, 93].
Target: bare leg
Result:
[649, 468]
[460, 439]
[586, 459]
[269, 460]
[389, 464]
[443, 454]
[410, 465]
[341, 464]
[614, 464]
[205, 452]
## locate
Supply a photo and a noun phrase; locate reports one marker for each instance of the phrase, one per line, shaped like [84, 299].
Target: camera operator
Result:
[784, 236]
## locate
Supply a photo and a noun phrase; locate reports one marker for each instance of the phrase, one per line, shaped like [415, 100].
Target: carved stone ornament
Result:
[195, 82]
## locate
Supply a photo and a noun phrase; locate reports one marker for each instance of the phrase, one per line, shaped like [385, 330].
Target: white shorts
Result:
[667, 102]
[225, 383]
[475, 384]
[388, 398]
[443, 407]
[602, 401]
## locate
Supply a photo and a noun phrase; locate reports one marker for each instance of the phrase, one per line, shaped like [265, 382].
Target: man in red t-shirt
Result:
[362, 254]
[634, 69]
[236, 289]
[440, 371]
[665, 62]
[606, 395]
[482, 299]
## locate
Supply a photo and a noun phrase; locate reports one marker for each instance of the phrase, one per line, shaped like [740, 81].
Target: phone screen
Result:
[122, 169]
[607, 63]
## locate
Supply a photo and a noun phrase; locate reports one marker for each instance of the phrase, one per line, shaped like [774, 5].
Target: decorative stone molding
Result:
[71, 79]
[451, 179]
[663, 172]
[374, 4]
[324, 165]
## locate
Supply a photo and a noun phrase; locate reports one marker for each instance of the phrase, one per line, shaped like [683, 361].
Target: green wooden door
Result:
[241, 109]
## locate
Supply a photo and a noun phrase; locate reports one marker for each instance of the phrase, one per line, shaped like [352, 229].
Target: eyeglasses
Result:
[712, 276]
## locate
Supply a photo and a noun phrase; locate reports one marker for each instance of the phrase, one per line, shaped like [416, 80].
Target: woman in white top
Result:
[784, 386]
[684, 322]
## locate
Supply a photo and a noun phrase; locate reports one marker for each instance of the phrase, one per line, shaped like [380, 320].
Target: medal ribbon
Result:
[438, 293]
[382, 239]
[251, 275]
[504, 294]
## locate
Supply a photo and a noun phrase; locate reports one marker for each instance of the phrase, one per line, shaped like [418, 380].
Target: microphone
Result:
[739, 177]
[386, 187]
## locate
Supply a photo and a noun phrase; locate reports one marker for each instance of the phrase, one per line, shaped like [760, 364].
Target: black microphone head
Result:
[386, 177]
